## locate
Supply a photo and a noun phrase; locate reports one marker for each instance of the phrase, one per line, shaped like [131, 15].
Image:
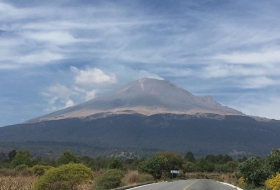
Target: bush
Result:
[21, 167]
[108, 180]
[247, 186]
[274, 182]
[39, 170]
[64, 177]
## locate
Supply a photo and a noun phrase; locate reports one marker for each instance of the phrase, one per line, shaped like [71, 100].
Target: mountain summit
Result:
[146, 96]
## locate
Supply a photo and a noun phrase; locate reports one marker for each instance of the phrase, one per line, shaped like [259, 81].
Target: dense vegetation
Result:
[144, 135]
[69, 171]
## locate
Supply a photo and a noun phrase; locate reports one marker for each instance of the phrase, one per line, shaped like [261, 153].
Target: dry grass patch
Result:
[16, 183]
[87, 186]
[26, 183]
[130, 178]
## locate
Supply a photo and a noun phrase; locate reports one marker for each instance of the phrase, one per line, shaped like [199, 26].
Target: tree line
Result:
[253, 172]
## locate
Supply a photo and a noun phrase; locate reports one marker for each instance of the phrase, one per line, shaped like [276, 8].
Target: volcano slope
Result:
[148, 115]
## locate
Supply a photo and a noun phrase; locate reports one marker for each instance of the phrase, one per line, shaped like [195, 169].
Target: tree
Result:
[189, 156]
[87, 161]
[12, 154]
[21, 158]
[66, 158]
[203, 165]
[2, 156]
[115, 163]
[188, 167]
[274, 160]
[211, 158]
[174, 160]
[154, 166]
[254, 171]
[65, 177]
[242, 159]
[226, 158]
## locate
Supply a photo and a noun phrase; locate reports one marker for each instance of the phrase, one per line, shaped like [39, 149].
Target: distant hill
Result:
[143, 117]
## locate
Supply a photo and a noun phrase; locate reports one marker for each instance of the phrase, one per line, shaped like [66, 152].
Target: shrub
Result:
[64, 177]
[108, 180]
[21, 167]
[241, 181]
[145, 178]
[247, 186]
[274, 182]
[39, 170]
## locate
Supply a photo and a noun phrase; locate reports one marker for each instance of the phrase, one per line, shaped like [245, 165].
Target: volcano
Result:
[141, 117]
[145, 96]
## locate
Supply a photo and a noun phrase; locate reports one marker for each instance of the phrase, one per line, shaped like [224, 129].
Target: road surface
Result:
[195, 184]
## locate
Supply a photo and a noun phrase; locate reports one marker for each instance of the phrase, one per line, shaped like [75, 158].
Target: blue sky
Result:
[55, 54]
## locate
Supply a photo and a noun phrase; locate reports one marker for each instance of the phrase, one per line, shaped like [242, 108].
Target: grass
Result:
[19, 182]
[26, 183]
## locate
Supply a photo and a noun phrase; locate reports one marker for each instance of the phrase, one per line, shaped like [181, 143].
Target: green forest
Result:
[69, 171]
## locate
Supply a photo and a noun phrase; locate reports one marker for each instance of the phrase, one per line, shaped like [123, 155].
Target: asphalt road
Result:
[195, 184]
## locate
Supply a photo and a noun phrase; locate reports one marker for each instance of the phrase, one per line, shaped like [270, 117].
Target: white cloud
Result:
[258, 82]
[59, 97]
[262, 57]
[40, 57]
[90, 94]
[229, 70]
[53, 37]
[93, 76]
[69, 103]
[52, 100]
[213, 48]
[60, 91]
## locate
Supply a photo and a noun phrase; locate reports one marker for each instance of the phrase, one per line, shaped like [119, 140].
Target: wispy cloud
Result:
[231, 70]
[52, 38]
[258, 82]
[87, 83]
[59, 97]
[263, 57]
[227, 46]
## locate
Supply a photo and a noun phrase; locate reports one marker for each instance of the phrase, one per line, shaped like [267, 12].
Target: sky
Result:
[58, 53]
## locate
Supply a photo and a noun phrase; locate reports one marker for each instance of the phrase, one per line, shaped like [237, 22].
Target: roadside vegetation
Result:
[19, 170]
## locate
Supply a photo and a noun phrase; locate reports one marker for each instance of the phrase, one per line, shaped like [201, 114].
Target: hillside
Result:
[239, 135]
[143, 117]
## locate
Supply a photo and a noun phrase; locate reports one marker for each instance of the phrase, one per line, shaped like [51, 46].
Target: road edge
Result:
[238, 188]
